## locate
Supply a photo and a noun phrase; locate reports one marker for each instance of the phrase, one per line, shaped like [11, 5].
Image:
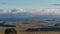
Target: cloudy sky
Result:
[29, 4]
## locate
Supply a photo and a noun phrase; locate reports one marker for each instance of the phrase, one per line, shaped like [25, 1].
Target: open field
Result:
[35, 33]
[21, 27]
[38, 32]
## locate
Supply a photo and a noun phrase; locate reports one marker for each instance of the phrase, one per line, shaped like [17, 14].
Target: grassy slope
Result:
[38, 32]
[24, 26]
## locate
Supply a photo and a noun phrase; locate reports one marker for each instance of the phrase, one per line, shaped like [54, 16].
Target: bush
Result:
[10, 31]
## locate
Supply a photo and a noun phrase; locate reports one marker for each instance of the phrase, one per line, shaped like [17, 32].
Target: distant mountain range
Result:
[31, 15]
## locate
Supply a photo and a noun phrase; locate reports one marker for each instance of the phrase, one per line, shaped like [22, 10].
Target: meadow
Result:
[50, 32]
[21, 27]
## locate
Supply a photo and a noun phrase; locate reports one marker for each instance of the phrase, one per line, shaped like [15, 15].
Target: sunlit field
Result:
[35, 33]
[39, 32]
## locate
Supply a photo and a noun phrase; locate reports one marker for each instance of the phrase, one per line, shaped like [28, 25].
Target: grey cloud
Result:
[3, 3]
[56, 4]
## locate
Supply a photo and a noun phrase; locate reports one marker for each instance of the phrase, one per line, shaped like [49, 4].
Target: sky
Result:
[29, 4]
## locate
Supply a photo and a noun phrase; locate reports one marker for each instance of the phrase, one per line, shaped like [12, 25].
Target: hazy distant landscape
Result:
[31, 21]
[29, 16]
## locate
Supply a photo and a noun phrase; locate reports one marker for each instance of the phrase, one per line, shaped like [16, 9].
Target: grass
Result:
[39, 32]
[24, 26]
[35, 33]
[1, 33]
[46, 33]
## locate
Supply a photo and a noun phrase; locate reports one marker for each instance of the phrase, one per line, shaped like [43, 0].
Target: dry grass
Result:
[21, 27]
[35, 33]
[1, 32]
[46, 33]
[38, 32]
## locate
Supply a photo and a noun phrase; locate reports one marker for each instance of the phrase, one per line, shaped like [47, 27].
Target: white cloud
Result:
[33, 11]
[45, 11]
[17, 10]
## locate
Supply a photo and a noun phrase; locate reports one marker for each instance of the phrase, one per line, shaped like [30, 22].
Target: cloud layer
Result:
[33, 11]
[45, 11]
[56, 4]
